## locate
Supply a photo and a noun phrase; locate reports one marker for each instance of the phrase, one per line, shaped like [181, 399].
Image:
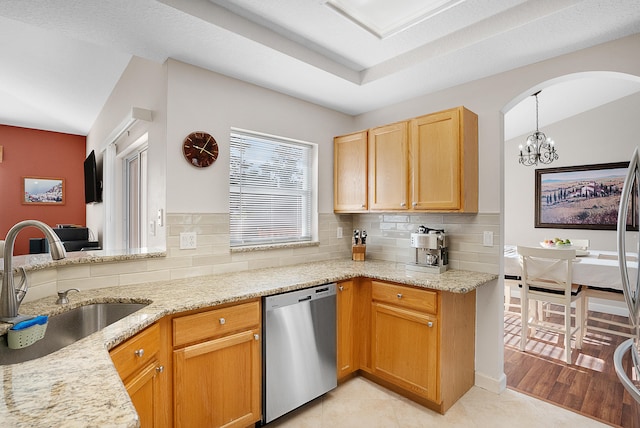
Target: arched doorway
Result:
[601, 127]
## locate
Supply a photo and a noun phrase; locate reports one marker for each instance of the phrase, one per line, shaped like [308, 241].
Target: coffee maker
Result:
[431, 254]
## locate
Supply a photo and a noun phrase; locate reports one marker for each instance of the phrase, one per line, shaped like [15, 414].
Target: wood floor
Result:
[588, 385]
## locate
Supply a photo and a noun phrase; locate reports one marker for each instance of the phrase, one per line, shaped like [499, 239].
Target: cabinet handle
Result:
[139, 352]
[341, 288]
[256, 336]
[223, 321]
[399, 295]
[415, 204]
[403, 204]
[160, 369]
[430, 324]
[362, 205]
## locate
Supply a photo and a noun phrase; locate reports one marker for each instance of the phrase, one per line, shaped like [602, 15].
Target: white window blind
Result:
[270, 189]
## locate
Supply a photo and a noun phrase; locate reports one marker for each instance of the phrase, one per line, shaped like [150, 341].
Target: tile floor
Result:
[361, 403]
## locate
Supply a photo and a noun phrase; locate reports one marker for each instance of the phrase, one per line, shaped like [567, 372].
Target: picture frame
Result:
[43, 191]
[582, 197]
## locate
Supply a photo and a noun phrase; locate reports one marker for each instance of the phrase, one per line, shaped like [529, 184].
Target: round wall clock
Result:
[200, 149]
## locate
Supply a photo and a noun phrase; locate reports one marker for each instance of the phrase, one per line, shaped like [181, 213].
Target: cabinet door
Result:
[144, 390]
[350, 172]
[217, 382]
[435, 161]
[388, 167]
[345, 326]
[404, 349]
[444, 161]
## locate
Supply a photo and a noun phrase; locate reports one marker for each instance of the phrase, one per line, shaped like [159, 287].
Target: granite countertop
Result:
[79, 386]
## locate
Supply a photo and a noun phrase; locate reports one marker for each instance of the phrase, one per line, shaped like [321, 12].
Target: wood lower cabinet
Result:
[345, 300]
[217, 367]
[350, 173]
[423, 342]
[142, 365]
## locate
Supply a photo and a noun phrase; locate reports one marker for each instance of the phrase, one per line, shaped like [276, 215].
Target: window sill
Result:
[274, 246]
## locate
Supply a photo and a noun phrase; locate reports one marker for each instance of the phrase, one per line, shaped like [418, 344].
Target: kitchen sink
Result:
[67, 328]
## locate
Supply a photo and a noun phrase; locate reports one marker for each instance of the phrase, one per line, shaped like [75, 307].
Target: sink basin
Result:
[67, 328]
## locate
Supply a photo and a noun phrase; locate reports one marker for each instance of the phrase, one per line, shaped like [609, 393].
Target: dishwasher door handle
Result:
[304, 299]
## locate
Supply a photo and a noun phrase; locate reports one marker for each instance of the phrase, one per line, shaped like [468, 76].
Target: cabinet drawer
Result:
[137, 351]
[216, 322]
[407, 297]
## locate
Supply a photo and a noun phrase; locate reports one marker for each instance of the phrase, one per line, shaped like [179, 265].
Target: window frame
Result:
[312, 177]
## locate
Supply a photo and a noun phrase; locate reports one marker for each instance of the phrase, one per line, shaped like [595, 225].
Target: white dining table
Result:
[596, 269]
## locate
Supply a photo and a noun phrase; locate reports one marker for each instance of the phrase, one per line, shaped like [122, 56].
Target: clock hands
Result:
[202, 149]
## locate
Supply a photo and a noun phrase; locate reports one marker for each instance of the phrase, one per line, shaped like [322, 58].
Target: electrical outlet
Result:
[339, 233]
[152, 227]
[487, 238]
[187, 240]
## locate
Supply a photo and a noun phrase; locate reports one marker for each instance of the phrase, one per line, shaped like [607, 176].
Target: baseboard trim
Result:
[491, 384]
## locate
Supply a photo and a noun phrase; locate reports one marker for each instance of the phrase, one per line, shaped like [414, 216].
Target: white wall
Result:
[199, 100]
[143, 85]
[606, 134]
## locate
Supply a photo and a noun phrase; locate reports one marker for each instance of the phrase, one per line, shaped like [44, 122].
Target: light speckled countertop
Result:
[78, 385]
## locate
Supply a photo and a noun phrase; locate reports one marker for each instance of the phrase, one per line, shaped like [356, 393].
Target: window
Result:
[271, 189]
[135, 191]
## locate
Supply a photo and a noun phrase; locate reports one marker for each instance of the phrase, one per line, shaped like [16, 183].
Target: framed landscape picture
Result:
[43, 191]
[582, 197]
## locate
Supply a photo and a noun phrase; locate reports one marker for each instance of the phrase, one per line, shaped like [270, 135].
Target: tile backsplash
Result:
[388, 239]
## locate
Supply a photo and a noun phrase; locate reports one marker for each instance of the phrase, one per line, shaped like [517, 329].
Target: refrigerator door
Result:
[630, 195]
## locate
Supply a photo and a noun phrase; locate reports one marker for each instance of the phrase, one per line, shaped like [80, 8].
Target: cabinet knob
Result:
[341, 288]
[430, 324]
[256, 336]
[139, 352]
[399, 295]
[160, 369]
[415, 204]
[223, 321]
[403, 204]
[363, 205]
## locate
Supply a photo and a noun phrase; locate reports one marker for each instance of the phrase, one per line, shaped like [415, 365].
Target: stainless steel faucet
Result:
[9, 299]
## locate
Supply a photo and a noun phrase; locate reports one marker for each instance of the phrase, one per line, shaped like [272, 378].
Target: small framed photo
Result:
[42, 191]
[582, 197]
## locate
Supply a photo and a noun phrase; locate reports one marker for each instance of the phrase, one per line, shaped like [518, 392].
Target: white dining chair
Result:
[547, 277]
[582, 244]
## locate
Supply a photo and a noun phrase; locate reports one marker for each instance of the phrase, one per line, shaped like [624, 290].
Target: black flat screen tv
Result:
[92, 180]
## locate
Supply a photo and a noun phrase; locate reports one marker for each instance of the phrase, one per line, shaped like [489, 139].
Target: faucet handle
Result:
[62, 296]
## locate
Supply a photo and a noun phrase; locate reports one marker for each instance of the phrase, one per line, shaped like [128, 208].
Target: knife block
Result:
[358, 252]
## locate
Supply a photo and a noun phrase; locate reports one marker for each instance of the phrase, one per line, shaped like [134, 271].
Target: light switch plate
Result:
[187, 240]
[487, 238]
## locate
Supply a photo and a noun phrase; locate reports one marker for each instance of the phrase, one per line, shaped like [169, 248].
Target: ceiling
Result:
[60, 59]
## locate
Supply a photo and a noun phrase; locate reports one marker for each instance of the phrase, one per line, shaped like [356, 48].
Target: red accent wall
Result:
[36, 153]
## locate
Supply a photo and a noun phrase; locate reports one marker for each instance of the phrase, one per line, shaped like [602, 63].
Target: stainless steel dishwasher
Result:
[299, 348]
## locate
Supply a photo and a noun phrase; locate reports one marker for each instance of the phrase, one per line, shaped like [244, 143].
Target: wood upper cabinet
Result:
[444, 161]
[142, 364]
[350, 172]
[217, 367]
[388, 167]
[345, 300]
[429, 163]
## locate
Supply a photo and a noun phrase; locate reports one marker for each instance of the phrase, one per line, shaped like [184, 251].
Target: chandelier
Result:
[539, 147]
